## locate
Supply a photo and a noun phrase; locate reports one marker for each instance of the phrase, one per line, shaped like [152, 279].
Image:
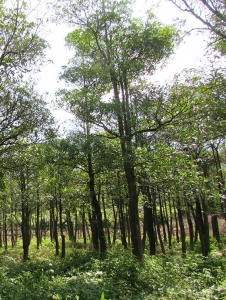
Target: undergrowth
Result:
[84, 275]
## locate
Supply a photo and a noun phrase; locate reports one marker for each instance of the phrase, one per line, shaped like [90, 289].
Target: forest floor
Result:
[84, 275]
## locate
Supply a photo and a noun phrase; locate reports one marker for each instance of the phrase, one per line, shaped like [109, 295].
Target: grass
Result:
[84, 275]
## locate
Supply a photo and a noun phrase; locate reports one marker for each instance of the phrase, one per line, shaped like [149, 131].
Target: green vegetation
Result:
[84, 275]
[131, 203]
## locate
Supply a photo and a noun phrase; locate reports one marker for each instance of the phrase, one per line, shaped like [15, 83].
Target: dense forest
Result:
[138, 183]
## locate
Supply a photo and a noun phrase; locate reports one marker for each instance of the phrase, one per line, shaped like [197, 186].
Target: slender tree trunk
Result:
[5, 231]
[1, 237]
[63, 246]
[55, 223]
[128, 227]
[176, 221]
[201, 229]
[134, 221]
[158, 229]
[144, 232]
[83, 225]
[38, 231]
[149, 219]
[122, 223]
[12, 233]
[191, 231]
[115, 222]
[162, 216]
[96, 207]
[106, 220]
[182, 229]
[70, 227]
[55, 236]
[51, 219]
[87, 230]
[167, 224]
[61, 214]
[206, 224]
[171, 218]
[16, 234]
[93, 225]
[63, 250]
[124, 127]
[76, 225]
[215, 228]
[25, 224]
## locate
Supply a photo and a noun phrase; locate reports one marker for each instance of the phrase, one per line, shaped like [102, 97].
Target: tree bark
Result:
[149, 219]
[5, 231]
[25, 224]
[106, 220]
[115, 222]
[162, 217]
[38, 231]
[182, 229]
[191, 231]
[94, 230]
[201, 229]
[215, 228]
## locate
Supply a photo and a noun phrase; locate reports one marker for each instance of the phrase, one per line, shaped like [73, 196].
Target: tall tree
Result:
[118, 50]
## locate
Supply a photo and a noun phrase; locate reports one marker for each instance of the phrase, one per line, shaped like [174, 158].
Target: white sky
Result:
[189, 54]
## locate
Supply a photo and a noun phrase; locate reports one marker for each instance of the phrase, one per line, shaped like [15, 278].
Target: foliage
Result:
[117, 275]
[212, 14]
[21, 46]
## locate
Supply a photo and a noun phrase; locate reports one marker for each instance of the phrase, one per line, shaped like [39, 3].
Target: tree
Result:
[23, 114]
[118, 50]
[212, 13]
[84, 152]
[22, 111]
[21, 48]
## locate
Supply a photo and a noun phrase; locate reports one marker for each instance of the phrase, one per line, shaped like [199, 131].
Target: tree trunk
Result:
[61, 214]
[158, 229]
[162, 217]
[63, 246]
[176, 222]
[83, 225]
[93, 225]
[134, 221]
[5, 231]
[128, 227]
[12, 233]
[167, 223]
[201, 229]
[215, 228]
[76, 225]
[55, 236]
[25, 224]
[106, 220]
[149, 219]
[171, 219]
[51, 219]
[122, 223]
[1, 237]
[38, 231]
[70, 226]
[182, 229]
[96, 207]
[124, 128]
[144, 233]
[115, 222]
[191, 231]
